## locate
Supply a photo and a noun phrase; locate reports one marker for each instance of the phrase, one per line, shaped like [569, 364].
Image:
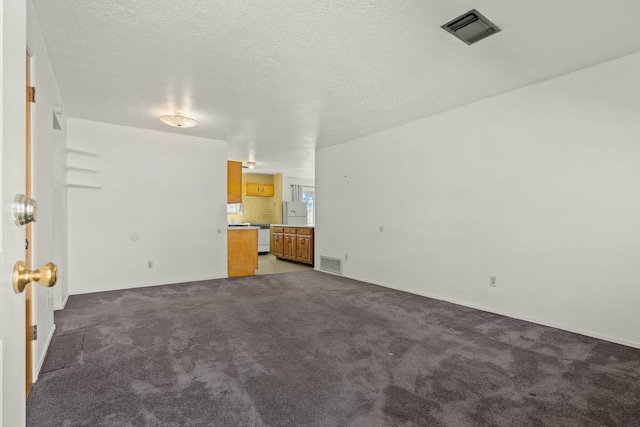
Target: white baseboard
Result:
[64, 303]
[120, 287]
[36, 372]
[505, 313]
[1, 369]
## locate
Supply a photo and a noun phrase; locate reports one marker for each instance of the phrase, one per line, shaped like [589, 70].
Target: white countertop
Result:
[291, 225]
[243, 227]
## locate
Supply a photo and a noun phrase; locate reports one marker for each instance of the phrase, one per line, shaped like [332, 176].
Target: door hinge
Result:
[31, 94]
[34, 333]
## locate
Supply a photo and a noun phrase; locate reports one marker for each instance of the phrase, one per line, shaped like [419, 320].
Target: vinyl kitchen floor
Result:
[269, 264]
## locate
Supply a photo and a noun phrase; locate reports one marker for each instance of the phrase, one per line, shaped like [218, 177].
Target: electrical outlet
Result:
[492, 281]
[149, 264]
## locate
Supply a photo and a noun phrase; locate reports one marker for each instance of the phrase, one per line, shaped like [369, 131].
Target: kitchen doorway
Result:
[269, 264]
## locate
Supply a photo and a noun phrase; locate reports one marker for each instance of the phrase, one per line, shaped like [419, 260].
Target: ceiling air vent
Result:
[471, 27]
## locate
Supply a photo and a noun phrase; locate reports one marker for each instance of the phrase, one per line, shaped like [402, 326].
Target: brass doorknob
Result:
[47, 275]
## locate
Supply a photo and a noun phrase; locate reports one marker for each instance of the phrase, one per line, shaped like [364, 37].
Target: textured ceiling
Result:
[279, 79]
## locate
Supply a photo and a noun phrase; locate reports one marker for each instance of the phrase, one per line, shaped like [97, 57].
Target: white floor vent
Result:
[331, 265]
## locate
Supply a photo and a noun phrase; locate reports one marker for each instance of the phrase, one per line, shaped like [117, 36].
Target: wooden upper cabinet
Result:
[234, 182]
[256, 189]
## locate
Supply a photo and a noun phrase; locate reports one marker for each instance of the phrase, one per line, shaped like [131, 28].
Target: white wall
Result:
[49, 230]
[167, 189]
[538, 187]
[12, 124]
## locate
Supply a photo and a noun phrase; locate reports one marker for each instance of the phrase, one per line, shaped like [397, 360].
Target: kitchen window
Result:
[234, 208]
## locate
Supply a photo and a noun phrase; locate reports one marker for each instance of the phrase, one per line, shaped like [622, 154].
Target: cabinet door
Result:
[285, 246]
[266, 190]
[304, 249]
[300, 248]
[255, 189]
[289, 246]
[242, 252]
[310, 255]
[278, 245]
[250, 189]
[234, 182]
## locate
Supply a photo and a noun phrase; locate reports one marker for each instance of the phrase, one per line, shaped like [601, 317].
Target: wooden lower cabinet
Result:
[278, 242]
[293, 243]
[242, 252]
[304, 249]
[289, 246]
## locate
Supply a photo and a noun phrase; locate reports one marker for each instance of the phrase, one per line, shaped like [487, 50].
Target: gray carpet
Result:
[312, 349]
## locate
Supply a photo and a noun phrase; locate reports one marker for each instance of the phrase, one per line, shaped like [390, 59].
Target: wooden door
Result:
[28, 239]
[12, 163]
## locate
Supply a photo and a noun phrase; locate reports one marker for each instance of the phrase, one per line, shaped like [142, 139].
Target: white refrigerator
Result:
[294, 213]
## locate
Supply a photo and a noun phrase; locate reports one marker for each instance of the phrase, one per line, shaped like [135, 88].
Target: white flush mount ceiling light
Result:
[251, 165]
[178, 121]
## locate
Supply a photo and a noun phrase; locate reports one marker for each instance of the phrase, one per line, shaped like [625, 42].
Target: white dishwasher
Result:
[264, 238]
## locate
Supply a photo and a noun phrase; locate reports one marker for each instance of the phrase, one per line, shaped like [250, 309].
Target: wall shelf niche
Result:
[80, 166]
[76, 169]
[81, 152]
[95, 187]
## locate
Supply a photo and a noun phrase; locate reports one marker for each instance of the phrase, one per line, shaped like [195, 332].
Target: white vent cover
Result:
[471, 27]
[330, 265]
